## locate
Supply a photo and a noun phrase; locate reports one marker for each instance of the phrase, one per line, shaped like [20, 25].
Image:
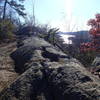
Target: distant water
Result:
[66, 37]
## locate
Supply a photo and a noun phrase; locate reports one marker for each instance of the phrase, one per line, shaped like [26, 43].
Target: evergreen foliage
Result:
[6, 29]
[14, 5]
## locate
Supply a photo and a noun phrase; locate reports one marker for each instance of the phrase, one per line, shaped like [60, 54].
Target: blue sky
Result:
[68, 15]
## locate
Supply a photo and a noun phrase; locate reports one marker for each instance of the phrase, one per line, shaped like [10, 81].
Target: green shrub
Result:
[6, 29]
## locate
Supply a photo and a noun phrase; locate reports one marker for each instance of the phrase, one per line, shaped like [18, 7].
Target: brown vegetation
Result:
[7, 73]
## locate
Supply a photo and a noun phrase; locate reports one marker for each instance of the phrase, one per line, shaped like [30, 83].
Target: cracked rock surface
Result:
[46, 73]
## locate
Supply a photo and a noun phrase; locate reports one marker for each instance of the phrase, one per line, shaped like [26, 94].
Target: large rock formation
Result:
[46, 73]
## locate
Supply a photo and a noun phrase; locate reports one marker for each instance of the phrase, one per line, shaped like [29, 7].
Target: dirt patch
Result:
[7, 73]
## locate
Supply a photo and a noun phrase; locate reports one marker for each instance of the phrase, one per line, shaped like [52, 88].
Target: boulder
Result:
[49, 74]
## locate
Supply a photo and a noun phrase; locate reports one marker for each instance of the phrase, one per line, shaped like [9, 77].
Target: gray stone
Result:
[95, 69]
[29, 86]
[35, 49]
[96, 61]
[36, 42]
[70, 83]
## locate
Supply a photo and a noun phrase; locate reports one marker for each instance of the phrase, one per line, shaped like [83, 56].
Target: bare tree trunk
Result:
[4, 11]
[33, 4]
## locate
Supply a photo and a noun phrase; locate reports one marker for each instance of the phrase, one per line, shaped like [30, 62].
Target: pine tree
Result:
[15, 5]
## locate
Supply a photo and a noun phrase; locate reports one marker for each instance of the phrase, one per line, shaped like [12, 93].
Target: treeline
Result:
[10, 25]
[10, 10]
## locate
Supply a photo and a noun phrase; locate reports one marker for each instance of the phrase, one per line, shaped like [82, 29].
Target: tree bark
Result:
[4, 11]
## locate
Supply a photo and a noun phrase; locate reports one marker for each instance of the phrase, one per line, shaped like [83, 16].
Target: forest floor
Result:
[7, 73]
